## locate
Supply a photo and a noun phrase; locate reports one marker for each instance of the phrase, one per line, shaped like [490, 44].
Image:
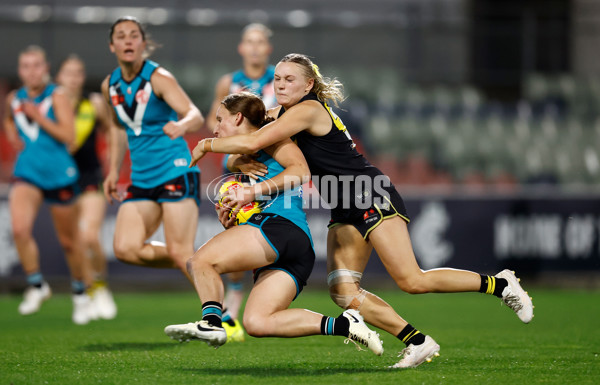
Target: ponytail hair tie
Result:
[316, 69]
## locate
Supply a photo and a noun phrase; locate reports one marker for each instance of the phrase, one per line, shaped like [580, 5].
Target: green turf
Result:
[481, 342]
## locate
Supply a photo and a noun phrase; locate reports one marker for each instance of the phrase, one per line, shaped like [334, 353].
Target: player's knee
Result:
[124, 251]
[179, 254]
[21, 232]
[201, 261]
[189, 266]
[67, 243]
[90, 239]
[348, 299]
[413, 284]
[255, 325]
[345, 290]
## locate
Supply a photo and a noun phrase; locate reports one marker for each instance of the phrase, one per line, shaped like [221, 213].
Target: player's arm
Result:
[295, 173]
[304, 116]
[9, 125]
[247, 165]
[103, 115]
[221, 91]
[106, 122]
[117, 146]
[63, 129]
[165, 86]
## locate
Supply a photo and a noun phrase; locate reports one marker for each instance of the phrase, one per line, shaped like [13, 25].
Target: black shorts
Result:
[59, 196]
[295, 253]
[182, 187]
[90, 180]
[365, 220]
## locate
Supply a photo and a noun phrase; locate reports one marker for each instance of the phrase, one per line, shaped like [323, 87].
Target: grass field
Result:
[481, 342]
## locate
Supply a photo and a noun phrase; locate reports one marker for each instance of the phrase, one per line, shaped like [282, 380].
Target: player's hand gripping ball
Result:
[246, 211]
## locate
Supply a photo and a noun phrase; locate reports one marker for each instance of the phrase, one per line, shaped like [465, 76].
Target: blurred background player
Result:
[276, 243]
[91, 116]
[39, 123]
[155, 113]
[255, 76]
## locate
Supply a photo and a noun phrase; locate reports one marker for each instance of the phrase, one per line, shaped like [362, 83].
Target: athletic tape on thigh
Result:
[343, 275]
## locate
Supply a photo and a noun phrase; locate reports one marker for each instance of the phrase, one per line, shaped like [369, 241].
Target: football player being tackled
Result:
[275, 243]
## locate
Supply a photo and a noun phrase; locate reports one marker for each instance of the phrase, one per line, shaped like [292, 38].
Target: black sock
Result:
[227, 318]
[339, 326]
[409, 335]
[492, 285]
[212, 312]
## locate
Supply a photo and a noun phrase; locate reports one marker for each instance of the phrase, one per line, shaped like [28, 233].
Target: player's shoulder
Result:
[161, 73]
[105, 83]
[11, 95]
[225, 80]
[274, 112]
[58, 92]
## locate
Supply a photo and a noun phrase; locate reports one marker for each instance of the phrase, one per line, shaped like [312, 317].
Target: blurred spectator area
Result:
[440, 92]
[454, 134]
[445, 134]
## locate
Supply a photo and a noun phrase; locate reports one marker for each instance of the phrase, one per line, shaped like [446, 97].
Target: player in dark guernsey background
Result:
[255, 76]
[92, 118]
[367, 210]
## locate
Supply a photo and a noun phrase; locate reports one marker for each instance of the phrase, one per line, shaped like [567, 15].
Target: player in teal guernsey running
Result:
[39, 122]
[276, 243]
[255, 76]
[155, 113]
[367, 212]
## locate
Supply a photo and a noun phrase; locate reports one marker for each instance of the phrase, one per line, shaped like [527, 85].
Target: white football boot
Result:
[82, 312]
[104, 303]
[415, 355]
[200, 330]
[360, 332]
[515, 297]
[33, 298]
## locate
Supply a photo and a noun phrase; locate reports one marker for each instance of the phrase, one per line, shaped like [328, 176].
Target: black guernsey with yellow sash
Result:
[85, 155]
[357, 192]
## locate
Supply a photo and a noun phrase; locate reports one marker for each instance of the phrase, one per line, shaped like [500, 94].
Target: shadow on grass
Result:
[274, 372]
[128, 346]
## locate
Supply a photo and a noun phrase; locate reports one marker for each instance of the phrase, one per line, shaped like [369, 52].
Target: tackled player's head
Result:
[237, 107]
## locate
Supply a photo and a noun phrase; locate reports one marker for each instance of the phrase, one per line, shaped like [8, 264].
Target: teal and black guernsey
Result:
[44, 161]
[155, 158]
[261, 87]
[287, 204]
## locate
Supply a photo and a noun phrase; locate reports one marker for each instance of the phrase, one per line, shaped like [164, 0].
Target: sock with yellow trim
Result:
[492, 285]
[409, 335]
